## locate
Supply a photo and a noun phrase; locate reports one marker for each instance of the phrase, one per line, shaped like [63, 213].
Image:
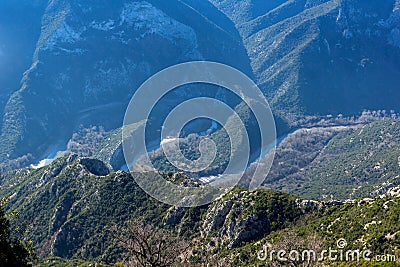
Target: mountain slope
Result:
[321, 57]
[18, 36]
[68, 207]
[366, 224]
[338, 162]
[308, 57]
[92, 55]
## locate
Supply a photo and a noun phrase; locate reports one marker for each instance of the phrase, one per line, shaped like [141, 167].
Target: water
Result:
[50, 155]
[213, 128]
[273, 145]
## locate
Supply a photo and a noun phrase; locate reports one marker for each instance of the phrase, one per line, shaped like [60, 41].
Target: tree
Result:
[13, 252]
[290, 241]
[147, 245]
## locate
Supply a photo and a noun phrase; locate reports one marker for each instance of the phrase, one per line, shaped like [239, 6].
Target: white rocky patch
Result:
[369, 224]
[103, 26]
[64, 34]
[396, 6]
[391, 236]
[42, 164]
[150, 20]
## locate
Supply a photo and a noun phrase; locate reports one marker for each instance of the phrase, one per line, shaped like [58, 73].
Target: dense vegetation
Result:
[368, 224]
[71, 208]
[13, 252]
[338, 162]
[68, 212]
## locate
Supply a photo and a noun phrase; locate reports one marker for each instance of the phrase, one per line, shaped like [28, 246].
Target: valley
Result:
[329, 70]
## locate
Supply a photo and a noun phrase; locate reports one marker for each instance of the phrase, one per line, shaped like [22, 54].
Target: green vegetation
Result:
[360, 163]
[60, 262]
[338, 162]
[224, 143]
[71, 214]
[13, 252]
[369, 224]
[66, 210]
[12, 127]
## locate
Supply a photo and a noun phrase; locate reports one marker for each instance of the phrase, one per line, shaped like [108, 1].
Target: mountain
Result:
[334, 158]
[341, 162]
[71, 208]
[90, 58]
[321, 57]
[329, 68]
[18, 36]
[308, 57]
[68, 207]
[365, 224]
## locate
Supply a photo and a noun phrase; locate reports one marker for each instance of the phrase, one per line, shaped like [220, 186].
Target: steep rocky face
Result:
[18, 36]
[243, 216]
[95, 166]
[309, 57]
[338, 56]
[67, 210]
[92, 55]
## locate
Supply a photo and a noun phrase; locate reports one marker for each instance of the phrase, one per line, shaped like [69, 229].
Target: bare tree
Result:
[147, 245]
[289, 241]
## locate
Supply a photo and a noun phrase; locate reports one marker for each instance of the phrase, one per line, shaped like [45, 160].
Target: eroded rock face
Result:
[393, 192]
[174, 216]
[246, 216]
[352, 44]
[91, 56]
[71, 213]
[95, 166]
[61, 212]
